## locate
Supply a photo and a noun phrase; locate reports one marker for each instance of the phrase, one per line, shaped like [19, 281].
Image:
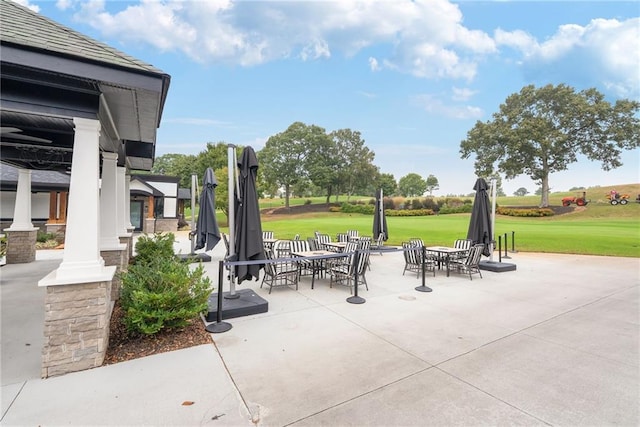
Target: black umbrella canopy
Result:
[208, 233]
[248, 228]
[480, 223]
[379, 218]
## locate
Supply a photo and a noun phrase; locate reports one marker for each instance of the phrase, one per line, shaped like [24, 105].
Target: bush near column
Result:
[160, 291]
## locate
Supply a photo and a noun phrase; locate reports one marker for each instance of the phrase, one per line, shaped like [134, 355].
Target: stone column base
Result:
[58, 229]
[76, 327]
[115, 257]
[21, 246]
[149, 225]
[166, 225]
[127, 240]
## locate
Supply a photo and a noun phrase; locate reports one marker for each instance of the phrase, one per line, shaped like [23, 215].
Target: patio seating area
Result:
[532, 346]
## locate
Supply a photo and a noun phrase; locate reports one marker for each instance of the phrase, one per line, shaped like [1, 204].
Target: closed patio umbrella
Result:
[379, 218]
[480, 223]
[248, 228]
[207, 231]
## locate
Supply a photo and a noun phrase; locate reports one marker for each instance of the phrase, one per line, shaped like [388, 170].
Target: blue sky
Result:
[412, 76]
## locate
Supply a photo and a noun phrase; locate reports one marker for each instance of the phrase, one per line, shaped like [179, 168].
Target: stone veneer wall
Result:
[149, 225]
[21, 246]
[127, 240]
[115, 258]
[76, 327]
[166, 225]
[57, 229]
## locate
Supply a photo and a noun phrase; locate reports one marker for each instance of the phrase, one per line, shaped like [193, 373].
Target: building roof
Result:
[41, 180]
[184, 193]
[19, 25]
[52, 74]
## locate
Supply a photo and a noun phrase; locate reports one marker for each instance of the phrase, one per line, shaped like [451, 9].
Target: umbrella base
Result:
[247, 304]
[201, 257]
[497, 267]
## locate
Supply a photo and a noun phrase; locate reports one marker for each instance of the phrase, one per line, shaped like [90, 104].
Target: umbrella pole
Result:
[193, 211]
[231, 166]
[380, 213]
[493, 217]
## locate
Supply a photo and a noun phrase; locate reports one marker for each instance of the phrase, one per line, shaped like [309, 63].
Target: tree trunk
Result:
[286, 195]
[329, 191]
[544, 197]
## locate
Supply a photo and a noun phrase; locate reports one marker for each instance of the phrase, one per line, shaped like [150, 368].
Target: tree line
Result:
[535, 132]
[304, 160]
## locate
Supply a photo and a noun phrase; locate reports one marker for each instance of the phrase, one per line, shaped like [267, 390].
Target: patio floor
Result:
[555, 342]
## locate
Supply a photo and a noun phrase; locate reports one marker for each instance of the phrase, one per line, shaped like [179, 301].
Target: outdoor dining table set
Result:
[317, 257]
[464, 257]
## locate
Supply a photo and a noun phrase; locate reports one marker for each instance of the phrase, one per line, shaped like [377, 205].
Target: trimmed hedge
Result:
[531, 212]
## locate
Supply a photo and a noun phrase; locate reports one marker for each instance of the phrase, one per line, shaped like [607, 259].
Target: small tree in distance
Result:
[521, 192]
[432, 184]
[412, 185]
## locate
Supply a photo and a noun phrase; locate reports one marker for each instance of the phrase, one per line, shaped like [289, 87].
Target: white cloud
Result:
[425, 38]
[603, 54]
[28, 4]
[462, 94]
[373, 64]
[434, 105]
[64, 4]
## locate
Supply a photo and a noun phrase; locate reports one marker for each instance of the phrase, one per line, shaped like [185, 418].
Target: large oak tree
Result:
[542, 130]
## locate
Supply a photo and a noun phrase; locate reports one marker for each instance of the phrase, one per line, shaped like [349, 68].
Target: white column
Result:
[81, 261]
[22, 208]
[109, 239]
[127, 203]
[122, 225]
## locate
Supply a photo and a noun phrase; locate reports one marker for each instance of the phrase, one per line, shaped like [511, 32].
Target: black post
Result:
[423, 287]
[513, 241]
[506, 245]
[219, 325]
[355, 299]
[499, 248]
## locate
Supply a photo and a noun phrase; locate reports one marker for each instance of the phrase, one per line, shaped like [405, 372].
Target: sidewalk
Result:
[554, 342]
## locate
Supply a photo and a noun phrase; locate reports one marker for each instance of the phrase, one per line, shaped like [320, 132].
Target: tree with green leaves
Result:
[412, 185]
[432, 184]
[520, 192]
[283, 157]
[354, 163]
[542, 130]
[214, 156]
[388, 183]
[323, 161]
[180, 165]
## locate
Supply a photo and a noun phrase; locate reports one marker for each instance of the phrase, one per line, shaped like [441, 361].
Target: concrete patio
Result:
[555, 342]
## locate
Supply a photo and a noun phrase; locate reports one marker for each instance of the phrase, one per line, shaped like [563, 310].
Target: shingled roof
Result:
[21, 26]
[41, 180]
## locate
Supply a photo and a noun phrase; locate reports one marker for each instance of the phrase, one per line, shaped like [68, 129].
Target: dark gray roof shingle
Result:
[21, 26]
[40, 179]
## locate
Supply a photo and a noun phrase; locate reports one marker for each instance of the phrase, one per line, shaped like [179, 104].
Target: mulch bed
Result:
[123, 346]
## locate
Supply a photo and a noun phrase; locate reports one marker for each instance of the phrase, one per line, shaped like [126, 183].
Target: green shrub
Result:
[308, 202]
[458, 208]
[162, 294]
[149, 248]
[43, 237]
[160, 291]
[409, 212]
[3, 246]
[357, 208]
[532, 212]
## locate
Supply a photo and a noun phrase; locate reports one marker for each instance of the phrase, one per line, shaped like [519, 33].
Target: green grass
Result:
[586, 234]
[598, 229]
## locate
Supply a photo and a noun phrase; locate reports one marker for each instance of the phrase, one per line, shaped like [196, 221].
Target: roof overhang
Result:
[42, 91]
